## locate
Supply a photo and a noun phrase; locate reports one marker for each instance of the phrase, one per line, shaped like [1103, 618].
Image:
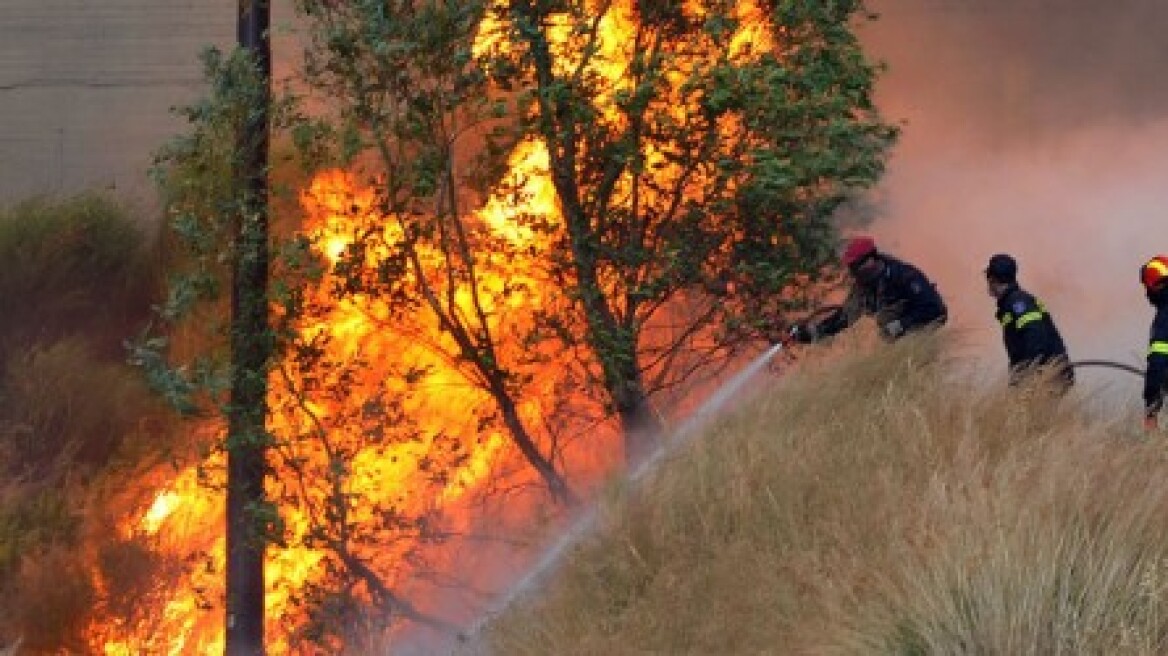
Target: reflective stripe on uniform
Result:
[1006, 319]
[1033, 315]
[1160, 348]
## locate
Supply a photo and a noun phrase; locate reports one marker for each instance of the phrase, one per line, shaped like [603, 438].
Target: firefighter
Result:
[1154, 276]
[901, 298]
[1032, 340]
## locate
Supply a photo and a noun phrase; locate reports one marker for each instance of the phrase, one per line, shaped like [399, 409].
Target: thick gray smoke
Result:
[1035, 127]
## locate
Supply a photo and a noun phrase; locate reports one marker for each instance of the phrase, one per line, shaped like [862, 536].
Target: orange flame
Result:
[186, 517]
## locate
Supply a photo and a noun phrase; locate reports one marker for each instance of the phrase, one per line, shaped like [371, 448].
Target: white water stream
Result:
[586, 523]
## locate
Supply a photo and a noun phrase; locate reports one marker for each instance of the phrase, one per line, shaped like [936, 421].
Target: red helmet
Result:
[857, 250]
[1154, 273]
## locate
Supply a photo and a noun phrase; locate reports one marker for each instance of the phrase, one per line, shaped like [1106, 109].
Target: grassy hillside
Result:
[876, 504]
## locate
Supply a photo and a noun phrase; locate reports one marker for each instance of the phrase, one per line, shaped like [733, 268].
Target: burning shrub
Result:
[134, 580]
[49, 603]
[30, 520]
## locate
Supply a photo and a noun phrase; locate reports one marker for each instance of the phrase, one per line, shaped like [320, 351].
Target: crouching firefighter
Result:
[1154, 276]
[900, 297]
[1032, 340]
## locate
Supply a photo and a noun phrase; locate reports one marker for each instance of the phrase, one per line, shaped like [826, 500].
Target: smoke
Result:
[1038, 128]
[1034, 127]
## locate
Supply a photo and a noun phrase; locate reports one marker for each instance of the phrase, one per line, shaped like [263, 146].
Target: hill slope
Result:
[875, 505]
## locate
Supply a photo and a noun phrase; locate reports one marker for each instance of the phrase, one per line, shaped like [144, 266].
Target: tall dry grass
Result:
[76, 265]
[77, 423]
[64, 409]
[877, 504]
[79, 277]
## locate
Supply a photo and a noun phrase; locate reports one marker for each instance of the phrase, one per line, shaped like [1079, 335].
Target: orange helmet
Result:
[1154, 273]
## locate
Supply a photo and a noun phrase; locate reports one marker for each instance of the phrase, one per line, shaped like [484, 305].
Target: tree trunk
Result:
[640, 425]
[613, 344]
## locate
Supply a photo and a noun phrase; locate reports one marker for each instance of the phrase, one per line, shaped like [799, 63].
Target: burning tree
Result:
[685, 144]
[412, 109]
[544, 207]
[354, 473]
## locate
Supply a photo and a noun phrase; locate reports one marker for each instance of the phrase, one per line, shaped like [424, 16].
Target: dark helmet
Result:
[1002, 268]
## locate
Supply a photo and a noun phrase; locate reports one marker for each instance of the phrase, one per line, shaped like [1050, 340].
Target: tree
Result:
[411, 107]
[687, 143]
[684, 146]
[214, 184]
[326, 412]
[686, 149]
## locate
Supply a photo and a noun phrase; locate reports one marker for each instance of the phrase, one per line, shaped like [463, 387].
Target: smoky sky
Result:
[1037, 128]
[1025, 69]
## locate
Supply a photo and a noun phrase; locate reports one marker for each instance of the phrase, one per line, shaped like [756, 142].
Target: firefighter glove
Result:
[893, 328]
[804, 333]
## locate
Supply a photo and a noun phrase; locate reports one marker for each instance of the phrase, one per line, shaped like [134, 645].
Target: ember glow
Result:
[389, 429]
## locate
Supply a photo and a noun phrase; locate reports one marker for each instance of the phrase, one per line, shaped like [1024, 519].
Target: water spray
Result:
[588, 521]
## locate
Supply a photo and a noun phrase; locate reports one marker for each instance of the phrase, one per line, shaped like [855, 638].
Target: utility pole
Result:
[250, 352]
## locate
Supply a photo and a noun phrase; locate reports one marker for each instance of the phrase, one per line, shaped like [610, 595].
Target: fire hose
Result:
[1110, 364]
[788, 333]
[1107, 364]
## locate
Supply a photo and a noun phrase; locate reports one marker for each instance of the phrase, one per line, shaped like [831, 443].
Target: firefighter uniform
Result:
[1156, 378]
[1030, 335]
[902, 299]
[1154, 276]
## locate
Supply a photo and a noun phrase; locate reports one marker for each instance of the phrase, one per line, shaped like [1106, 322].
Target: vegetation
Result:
[80, 275]
[875, 505]
[679, 156]
[685, 152]
[679, 160]
[77, 266]
[413, 110]
[700, 162]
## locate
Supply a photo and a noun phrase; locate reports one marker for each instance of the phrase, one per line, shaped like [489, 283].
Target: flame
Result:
[164, 504]
[362, 334]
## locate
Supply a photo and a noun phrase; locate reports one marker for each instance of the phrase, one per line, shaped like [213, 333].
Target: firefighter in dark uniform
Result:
[1154, 276]
[900, 297]
[1031, 337]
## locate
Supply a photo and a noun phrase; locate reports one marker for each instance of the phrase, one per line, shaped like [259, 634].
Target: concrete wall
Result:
[86, 85]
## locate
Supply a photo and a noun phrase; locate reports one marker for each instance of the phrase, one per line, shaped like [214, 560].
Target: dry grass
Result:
[62, 409]
[877, 505]
[74, 265]
[75, 420]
